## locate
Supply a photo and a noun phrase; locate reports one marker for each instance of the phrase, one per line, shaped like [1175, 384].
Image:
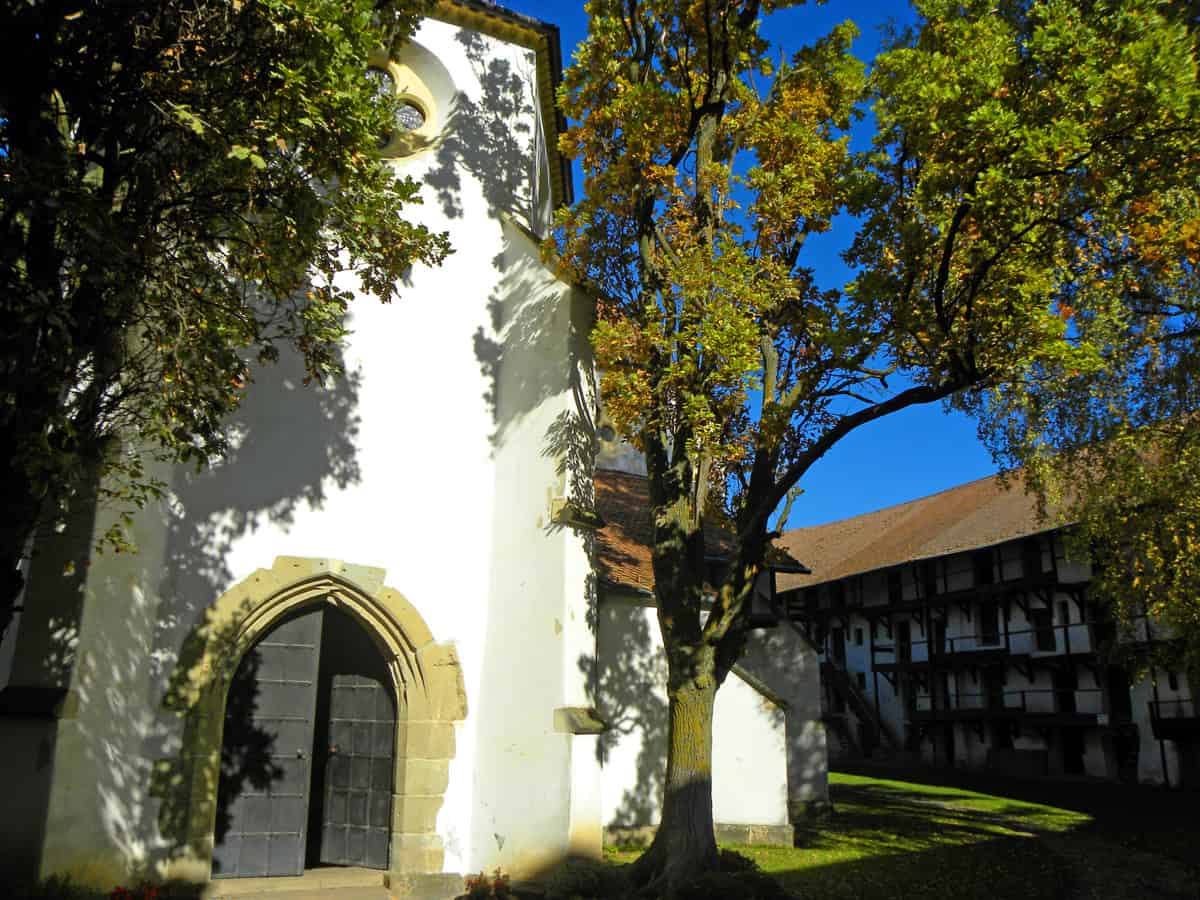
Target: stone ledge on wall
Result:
[751, 835]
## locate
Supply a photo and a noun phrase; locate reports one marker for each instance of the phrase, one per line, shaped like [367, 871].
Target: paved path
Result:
[330, 883]
[327, 893]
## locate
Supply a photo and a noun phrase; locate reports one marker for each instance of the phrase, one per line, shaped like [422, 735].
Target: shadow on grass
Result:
[857, 864]
[889, 841]
[997, 868]
[896, 841]
[1141, 817]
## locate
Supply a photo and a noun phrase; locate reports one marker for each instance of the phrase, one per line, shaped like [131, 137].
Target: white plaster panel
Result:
[749, 757]
[758, 750]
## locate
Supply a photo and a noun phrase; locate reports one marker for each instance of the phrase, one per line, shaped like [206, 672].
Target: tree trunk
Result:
[684, 845]
[21, 516]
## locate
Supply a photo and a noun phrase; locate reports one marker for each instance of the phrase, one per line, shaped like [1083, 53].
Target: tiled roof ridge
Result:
[623, 544]
[1012, 474]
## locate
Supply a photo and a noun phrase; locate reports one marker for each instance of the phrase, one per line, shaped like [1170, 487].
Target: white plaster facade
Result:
[433, 468]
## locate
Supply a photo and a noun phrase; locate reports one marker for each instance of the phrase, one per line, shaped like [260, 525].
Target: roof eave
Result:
[540, 37]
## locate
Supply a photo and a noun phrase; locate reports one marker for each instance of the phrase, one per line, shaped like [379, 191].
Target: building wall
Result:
[767, 754]
[436, 459]
[1069, 642]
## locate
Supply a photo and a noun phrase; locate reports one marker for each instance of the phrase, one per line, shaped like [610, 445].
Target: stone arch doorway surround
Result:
[425, 675]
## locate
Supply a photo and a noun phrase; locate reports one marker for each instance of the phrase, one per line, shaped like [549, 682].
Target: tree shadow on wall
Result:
[786, 662]
[632, 673]
[294, 442]
[538, 347]
[139, 681]
[491, 137]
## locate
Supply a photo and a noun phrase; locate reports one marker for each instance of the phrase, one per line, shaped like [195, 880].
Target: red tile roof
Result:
[977, 514]
[623, 544]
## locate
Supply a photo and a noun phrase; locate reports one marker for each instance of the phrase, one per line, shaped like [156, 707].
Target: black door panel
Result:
[356, 735]
[266, 753]
[358, 779]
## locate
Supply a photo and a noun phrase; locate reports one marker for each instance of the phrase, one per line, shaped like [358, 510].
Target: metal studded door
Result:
[262, 802]
[358, 772]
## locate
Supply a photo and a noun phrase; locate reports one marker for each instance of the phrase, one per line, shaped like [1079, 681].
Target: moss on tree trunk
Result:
[684, 845]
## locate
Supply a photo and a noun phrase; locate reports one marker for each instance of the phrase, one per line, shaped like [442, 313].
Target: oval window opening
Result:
[409, 116]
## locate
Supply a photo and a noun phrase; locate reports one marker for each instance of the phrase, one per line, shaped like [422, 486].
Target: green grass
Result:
[894, 840]
[891, 839]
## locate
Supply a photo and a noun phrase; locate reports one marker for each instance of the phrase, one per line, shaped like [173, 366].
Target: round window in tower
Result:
[409, 116]
[414, 108]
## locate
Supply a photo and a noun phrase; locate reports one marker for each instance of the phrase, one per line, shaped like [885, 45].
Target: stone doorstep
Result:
[378, 892]
[312, 881]
[348, 883]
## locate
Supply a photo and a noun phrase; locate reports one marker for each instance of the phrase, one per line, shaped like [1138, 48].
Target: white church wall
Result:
[762, 749]
[632, 699]
[749, 757]
[783, 662]
[432, 459]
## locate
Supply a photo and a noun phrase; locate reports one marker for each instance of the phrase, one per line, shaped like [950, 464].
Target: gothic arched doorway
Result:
[308, 751]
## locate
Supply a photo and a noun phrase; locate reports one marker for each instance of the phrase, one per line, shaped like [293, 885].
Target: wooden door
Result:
[356, 739]
[262, 800]
[358, 774]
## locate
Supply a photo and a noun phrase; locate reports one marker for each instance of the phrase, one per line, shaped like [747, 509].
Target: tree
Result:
[179, 185]
[1117, 449]
[1013, 144]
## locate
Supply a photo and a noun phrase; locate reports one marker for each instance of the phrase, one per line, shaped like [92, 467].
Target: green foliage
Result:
[1107, 429]
[1032, 176]
[180, 183]
[1019, 149]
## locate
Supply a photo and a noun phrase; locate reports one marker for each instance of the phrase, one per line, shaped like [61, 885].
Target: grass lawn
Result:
[897, 839]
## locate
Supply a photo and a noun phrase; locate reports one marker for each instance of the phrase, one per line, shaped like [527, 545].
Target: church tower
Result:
[363, 638]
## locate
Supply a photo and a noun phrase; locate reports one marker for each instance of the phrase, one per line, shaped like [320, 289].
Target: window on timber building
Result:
[929, 579]
[981, 561]
[989, 623]
[895, 587]
[1031, 557]
[1043, 628]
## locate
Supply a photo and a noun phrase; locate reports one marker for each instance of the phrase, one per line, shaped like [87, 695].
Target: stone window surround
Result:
[426, 676]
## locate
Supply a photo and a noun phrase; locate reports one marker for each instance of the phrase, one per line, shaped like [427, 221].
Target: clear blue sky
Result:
[907, 455]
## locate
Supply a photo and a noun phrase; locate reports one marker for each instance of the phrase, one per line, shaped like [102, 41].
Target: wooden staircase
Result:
[873, 731]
